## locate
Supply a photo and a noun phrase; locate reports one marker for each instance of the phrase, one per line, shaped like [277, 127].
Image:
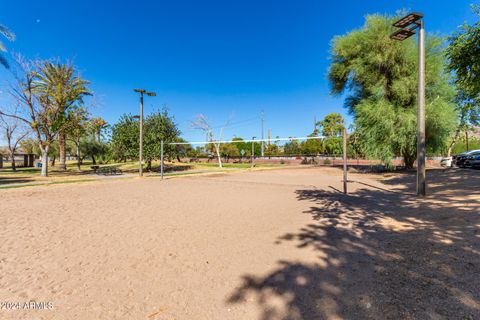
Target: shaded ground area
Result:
[276, 244]
[382, 254]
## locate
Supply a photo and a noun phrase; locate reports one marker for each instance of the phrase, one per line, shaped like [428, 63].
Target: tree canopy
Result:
[332, 125]
[158, 126]
[463, 54]
[379, 76]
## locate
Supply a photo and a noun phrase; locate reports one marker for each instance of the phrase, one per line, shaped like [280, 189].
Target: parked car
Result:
[459, 159]
[447, 162]
[473, 160]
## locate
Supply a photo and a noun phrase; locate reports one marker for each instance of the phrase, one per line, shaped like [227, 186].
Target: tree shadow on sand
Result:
[380, 255]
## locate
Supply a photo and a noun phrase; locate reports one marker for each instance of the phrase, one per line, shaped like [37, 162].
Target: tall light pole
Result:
[253, 150]
[263, 143]
[408, 25]
[151, 94]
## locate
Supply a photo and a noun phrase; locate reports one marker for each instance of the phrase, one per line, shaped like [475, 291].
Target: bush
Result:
[327, 161]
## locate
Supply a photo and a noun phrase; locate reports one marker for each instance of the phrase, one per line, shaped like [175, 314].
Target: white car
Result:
[446, 162]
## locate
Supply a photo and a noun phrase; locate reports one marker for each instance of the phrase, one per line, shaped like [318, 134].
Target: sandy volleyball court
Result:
[276, 244]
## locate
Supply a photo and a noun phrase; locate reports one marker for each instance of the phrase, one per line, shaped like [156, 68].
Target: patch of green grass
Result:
[19, 170]
[45, 183]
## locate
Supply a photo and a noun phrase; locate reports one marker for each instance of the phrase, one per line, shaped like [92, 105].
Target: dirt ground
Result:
[276, 244]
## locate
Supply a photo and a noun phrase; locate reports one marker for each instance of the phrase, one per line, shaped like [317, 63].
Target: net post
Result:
[161, 159]
[344, 133]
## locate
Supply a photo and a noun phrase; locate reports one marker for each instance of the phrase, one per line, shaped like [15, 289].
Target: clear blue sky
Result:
[225, 59]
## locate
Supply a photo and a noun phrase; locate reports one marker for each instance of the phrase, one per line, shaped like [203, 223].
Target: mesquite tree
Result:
[379, 76]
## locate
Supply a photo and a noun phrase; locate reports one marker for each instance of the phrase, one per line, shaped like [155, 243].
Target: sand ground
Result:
[277, 244]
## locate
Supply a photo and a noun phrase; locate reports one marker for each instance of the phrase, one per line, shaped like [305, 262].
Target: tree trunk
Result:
[408, 160]
[53, 161]
[93, 160]
[149, 165]
[14, 167]
[44, 172]
[79, 160]
[63, 155]
[454, 140]
[217, 148]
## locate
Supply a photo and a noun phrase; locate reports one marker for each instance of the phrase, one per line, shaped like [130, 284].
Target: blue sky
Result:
[225, 59]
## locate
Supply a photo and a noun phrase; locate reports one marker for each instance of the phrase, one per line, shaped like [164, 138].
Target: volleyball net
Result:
[305, 150]
[311, 150]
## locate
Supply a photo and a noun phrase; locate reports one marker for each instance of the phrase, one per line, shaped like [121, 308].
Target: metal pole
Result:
[263, 146]
[161, 159]
[141, 136]
[253, 151]
[421, 184]
[344, 160]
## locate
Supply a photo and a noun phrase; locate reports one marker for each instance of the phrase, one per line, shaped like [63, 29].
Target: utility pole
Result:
[263, 143]
[151, 94]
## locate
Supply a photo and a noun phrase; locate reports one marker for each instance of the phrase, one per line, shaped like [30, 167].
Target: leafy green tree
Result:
[60, 86]
[464, 61]
[159, 126]
[125, 138]
[272, 149]
[292, 148]
[379, 76]
[312, 146]
[332, 125]
[76, 128]
[240, 144]
[89, 146]
[183, 150]
[53, 153]
[229, 150]
[7, 33]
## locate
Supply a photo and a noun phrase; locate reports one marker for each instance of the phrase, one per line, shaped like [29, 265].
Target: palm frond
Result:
[7, 33]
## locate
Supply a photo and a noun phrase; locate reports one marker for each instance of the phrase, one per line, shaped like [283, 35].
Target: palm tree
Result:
[4, 31]
[97, 125]
[59, 84]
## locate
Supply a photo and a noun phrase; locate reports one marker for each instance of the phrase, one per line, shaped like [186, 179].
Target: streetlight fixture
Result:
[253, 150]
[150, 94]
[408, 25]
